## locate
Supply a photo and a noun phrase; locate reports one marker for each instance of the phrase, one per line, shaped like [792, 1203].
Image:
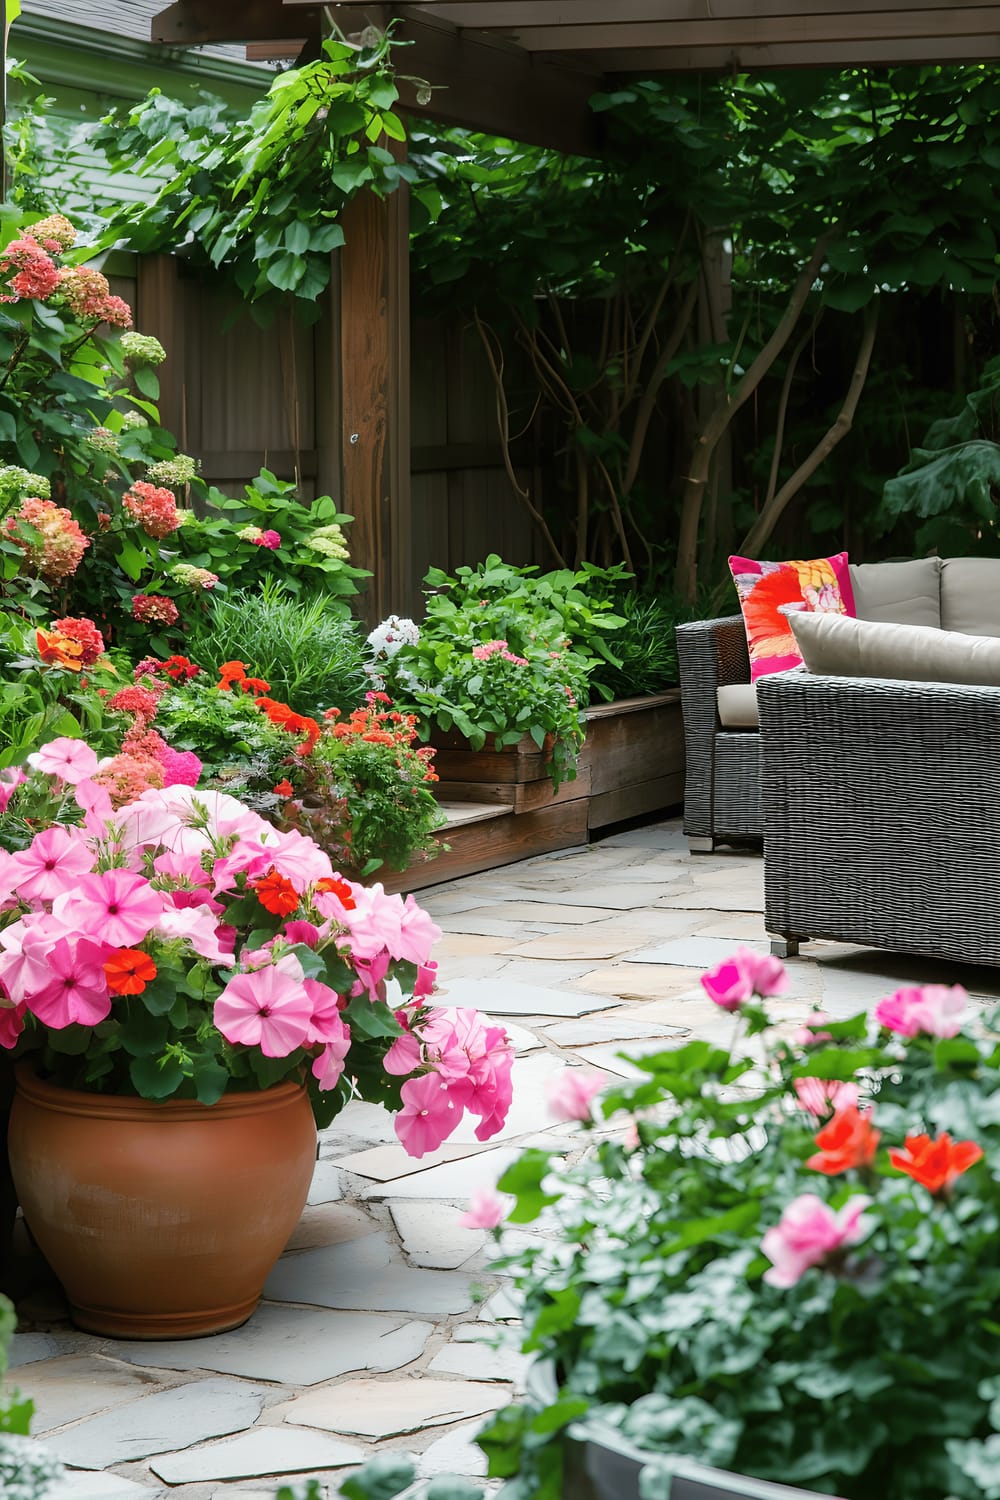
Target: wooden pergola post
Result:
[374, 378]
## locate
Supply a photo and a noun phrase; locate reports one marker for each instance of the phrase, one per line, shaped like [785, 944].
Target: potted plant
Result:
[785, 1264]
[189, 992]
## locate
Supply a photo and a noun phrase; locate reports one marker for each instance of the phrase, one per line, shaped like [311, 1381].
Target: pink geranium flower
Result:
[417, 934]
[268, 1008]
[744, 974]
[824, 1096]
[51, 864]
[809, 1232]
[428, 1116]
[70, 760]
[932, 1009]
[76, 987]
[486, 1211]
[118, 906]
[569, 1094]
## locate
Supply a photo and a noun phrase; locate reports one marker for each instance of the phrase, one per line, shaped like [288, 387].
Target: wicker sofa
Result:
[877, 799]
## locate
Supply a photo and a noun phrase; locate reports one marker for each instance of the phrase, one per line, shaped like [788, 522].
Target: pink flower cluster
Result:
[153, 507]
[35, 272]
[88, 296]
[57, 550]
[928, 1010]
[497, 648]
[154, 609]
[745, 974]
[166, 867]
[54, 232]
[269, 539]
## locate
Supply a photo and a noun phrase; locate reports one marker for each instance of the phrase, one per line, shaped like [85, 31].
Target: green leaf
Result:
[297, 237]
[156, 1078]
[382, 1478]
[147, 382]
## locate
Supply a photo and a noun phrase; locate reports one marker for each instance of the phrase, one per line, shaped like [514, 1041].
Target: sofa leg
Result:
[784, 945]
[701, 846]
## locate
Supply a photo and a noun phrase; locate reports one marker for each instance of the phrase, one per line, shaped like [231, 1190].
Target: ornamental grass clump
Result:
[181, 947]
[785, 1263]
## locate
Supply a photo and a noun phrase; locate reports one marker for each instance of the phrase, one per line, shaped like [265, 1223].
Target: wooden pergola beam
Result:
[188, 23]
[845, 54]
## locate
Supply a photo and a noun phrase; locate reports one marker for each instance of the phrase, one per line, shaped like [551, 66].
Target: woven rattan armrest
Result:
[710, 654]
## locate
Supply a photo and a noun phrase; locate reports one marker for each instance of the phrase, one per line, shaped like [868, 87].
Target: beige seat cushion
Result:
[970, 595]
[842, 647]
[738, 706]
[907, 593]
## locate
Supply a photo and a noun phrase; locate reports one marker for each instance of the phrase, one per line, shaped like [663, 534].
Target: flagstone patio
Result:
[380, 1324]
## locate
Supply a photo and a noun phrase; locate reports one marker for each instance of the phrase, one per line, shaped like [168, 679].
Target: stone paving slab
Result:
[198, 1410]
[500, 998]
[79, 1385]
[268, 1450]
[390, 1408]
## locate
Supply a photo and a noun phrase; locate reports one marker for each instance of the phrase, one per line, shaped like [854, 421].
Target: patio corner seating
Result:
[879, 797]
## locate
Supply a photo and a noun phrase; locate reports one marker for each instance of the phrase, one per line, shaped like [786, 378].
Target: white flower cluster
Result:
[133, 419]
[386, 639]
[103, 439]
[329, 540]
[142, 349]
[15, 482]
[177, 470]
[27, 1471]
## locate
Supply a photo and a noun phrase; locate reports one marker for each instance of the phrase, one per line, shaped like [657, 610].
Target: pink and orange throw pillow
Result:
[821, 586]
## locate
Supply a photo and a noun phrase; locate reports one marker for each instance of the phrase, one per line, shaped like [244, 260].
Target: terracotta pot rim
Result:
[169, 1111]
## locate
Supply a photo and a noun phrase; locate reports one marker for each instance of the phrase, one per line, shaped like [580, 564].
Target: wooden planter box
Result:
[501, 806]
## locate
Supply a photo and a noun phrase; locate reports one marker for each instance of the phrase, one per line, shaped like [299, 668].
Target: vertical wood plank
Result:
[159, 311]
[374, 361]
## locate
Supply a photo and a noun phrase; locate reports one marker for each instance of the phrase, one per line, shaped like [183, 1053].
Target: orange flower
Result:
[129, 971]
[850, 1140]
[284, 789]
[230, 672]
[935, 1164]
[255, 685]
[338, 888]
[58, 650]
[276, 894]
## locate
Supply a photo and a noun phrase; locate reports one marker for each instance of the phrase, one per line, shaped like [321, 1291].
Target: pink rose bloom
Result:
[51, 864]
[70, 760]
[269, 1009]
[811, 1031]
[428, 1116]
[932, 1009]
[486, 1211]
[824, 1096]
[117, 906]
[9, 782]
[808, 1232]
[569, 1093]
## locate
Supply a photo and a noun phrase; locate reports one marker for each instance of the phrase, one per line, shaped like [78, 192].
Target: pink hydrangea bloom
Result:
[51, 864]
[180, 767]
[70, 760]
[569, 1093]
[823, 1096]
[486, 1211]
[269, 539]
[268, 1008]
[117, 906]
[933, 1009]
[809, 1231]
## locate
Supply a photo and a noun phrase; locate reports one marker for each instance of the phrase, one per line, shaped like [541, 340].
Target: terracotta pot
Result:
[162, 1219]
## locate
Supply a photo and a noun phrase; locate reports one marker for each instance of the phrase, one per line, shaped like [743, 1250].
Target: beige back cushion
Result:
[970, 595]
[842, 647]
[906, 593]
[737, 703]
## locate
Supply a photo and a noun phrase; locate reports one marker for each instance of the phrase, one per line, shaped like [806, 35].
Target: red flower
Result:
[59, 650]
[230, 672]
[180, 669]
[284, 789]
[935, 1164]
[850, 1140]
[338, 888]
[276, 894]
[129, 971]
[85, 633]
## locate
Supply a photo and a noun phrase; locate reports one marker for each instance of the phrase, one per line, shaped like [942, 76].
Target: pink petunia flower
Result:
[417, 934]
[267, 1008]
[486, 1211]
[403, 1056]
[76, 987]
[70, 760]
[329, 1065]
[932, 1009]
[24, 947]
[11, 1023]
[118, 906]
[808, 1232]
[51, 864]
[428, 1116]
[811, 1032]
[325, 1023]
[569, 1093]
[9, 782]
